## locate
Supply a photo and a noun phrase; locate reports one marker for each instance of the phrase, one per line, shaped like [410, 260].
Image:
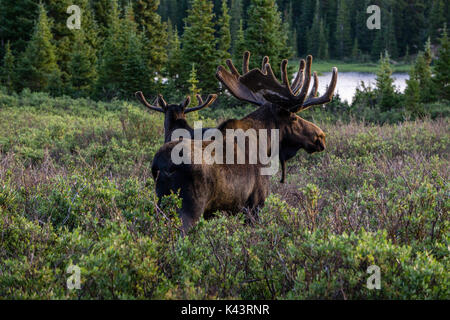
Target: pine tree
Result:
[266, 34]
[123, 68]
[65, 37]
[82, 66]
[412, 96]
[8, 74]
[436, 19]
[240, 45]
[175, 62]
[102, 14]
[149, 21]
[38, 69]
[199, 44]
[355, 51]
[194, 90]
[343, 30]
[323, 43]
[442, 69]
[17, 19]
[386, 95]
[224, 33]
[314, 37]
[421, 72]
[236, 17]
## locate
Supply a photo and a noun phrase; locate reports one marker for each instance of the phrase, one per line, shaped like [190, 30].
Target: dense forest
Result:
[176, 46]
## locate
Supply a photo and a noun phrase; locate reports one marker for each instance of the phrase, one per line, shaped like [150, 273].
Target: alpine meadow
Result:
[93, 93]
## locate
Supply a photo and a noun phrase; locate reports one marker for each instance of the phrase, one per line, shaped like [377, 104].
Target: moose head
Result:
[281, 101]
[175, 114]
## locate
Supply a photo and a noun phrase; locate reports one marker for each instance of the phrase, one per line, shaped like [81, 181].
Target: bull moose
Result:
[207, 188]
[175, 114]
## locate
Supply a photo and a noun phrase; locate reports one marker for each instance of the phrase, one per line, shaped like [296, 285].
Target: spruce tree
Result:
[386, 95]
[82, 66]
[343, 30]
[17, 18]
[199, 44]
[314, 37]
[194, 90]
[436, 19]
[412, 95]
[148, 20]
[240, 46]
[123, 68]
[224, 33]
[8, 74]
[236, 12]
[38, 69]
[65, 37]
[442, 69]
[265, 34]
[175, 62]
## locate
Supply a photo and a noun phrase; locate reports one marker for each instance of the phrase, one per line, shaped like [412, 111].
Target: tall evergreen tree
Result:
[236, 12]
[199, 44]
[175, 62]
[82, 66]
[442, 69]
[17, 19]
[224, 46]
[266, 34]
[123, 69]
[149, 21]
[343, 30]
[436, 19]
[240, 45]
[38, 69]
[385, 85]
[313, 36]
[8, 73]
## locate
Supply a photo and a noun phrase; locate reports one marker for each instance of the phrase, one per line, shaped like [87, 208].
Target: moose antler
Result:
[260, 86]
[160, 101]
[201, 104]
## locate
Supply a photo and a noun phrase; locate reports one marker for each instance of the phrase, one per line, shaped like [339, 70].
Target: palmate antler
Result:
[260, 86]
[163, 104]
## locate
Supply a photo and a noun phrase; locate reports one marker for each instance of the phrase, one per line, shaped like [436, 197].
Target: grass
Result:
[76, 189]
[369, 67]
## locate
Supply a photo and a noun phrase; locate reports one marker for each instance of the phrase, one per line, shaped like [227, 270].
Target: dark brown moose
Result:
[175, 114]
[207, 188]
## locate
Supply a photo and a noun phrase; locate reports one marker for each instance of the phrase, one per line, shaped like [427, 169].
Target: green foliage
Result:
[155, 31]
[442, 69]
[343, 36]
[224, 45]
[123, 67]
[38, 68]
[8, 72]
[199, 44]
[76, 189]
[265, 34]
[386, 95]
[82, 66]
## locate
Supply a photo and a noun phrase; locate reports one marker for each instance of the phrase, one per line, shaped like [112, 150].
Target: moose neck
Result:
[170, 125]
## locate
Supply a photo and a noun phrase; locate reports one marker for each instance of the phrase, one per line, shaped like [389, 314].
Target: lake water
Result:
[349, 81]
